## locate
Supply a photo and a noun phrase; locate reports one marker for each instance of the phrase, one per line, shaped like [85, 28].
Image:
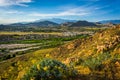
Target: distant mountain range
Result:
[110, 21]
[37, 24]
[57, 20]
[54, 22]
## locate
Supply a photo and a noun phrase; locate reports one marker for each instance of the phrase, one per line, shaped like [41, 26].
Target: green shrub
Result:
[95, 63]
[49, 69]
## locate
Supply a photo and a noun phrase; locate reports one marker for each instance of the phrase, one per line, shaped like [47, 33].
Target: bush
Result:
[95, 63]
[49, 69]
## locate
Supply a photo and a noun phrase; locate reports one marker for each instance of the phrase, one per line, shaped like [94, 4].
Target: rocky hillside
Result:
[96, 56]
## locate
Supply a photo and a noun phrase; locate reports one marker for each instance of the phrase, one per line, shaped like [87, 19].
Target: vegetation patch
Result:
[49, 69]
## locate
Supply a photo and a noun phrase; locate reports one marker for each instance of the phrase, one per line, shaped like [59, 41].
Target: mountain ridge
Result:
[110, 21]
[57, 20]
[82, 23]
[37, 24]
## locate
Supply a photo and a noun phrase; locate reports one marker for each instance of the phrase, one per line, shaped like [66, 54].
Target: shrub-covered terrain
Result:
[49, 69]
[94, 55]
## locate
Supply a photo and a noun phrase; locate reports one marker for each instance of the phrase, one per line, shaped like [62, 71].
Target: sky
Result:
[13, 11]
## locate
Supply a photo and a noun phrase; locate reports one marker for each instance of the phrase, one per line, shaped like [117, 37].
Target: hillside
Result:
[94, 58]
[103, 40]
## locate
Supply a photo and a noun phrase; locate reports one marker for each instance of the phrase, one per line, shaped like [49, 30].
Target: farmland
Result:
[17, 43]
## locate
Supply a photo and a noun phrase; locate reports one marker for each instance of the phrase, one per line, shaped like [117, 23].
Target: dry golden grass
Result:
[25, 33]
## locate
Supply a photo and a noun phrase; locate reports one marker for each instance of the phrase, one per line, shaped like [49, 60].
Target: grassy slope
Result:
[103, 41]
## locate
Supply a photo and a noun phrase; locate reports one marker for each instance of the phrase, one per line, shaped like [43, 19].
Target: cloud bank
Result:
[71, 12]
[14, 2]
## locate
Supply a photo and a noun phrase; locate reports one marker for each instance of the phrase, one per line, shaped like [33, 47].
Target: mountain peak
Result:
[82, 23]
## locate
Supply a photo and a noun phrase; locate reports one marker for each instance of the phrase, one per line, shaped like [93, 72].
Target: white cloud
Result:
[14, 2]
[13, 12]
[14, 20]
[72, 12]
[10, 12]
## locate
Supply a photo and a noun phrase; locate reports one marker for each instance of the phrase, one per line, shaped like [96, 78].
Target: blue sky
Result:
[12, 11]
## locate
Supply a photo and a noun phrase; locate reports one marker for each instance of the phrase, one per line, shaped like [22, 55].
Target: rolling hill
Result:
[82, 23]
